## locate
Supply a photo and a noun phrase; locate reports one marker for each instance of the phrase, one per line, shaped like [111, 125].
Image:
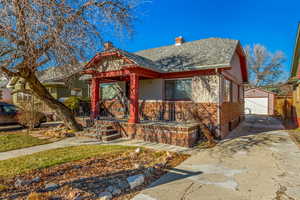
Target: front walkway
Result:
[257, 161]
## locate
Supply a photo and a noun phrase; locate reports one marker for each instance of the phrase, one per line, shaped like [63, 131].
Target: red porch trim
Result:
[95, 97]
[99, 56]
[243, 62]
[124, 72]
[143, 72]
[186, 74]
[134, 99]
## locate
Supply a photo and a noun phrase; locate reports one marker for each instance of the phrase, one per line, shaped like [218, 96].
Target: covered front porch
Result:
[127, 100]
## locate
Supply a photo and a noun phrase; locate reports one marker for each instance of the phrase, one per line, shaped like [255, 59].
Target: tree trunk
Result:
[62, 111]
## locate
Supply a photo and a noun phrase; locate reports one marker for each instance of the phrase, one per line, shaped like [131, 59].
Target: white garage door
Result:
[256, 106]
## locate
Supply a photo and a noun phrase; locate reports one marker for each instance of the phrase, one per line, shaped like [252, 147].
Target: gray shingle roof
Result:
[141, 61]
[59, 73]
[200, 54]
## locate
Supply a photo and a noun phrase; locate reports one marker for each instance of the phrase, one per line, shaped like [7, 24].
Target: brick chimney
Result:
[108, 46]
[179, 40]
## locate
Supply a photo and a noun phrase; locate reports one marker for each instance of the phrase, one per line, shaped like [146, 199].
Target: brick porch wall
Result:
[186, 136]
[231, 114]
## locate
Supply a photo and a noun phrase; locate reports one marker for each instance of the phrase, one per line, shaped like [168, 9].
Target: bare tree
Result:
[37, 34]
[264, 67]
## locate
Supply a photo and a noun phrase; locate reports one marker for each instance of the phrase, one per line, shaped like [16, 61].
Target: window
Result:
[23, 97]
[51, 89]
[227, 91]
[76, 92]
[109, 91]
[241, 93]
[179, 89]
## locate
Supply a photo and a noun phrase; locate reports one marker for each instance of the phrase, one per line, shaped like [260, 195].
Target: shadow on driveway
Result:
[255, 125]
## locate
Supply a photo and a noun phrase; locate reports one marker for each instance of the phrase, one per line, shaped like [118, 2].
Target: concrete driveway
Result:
[258, 160]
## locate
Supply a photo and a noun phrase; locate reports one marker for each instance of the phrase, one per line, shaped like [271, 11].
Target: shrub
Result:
[3, 187]
[36, 196]
[72, 102]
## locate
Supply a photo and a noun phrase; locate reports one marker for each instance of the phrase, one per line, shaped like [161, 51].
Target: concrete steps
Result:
[103, 132]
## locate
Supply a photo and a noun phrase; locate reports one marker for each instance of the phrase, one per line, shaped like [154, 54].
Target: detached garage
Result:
[259, 102]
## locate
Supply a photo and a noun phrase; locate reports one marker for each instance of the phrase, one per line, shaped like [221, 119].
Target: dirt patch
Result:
[90, 177]
[281, 194]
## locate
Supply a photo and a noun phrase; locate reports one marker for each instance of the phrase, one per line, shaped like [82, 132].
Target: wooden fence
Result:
[284, 107]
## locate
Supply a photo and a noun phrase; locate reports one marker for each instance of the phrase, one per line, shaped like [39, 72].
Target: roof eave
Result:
[297, 43]
[243, 62]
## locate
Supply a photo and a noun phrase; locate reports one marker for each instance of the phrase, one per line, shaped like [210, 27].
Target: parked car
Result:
[11, 114]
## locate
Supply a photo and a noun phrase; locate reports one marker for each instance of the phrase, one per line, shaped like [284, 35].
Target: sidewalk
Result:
[76, 141]
[73, 141]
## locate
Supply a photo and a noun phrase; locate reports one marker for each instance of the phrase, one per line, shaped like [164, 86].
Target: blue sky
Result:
[272, 23]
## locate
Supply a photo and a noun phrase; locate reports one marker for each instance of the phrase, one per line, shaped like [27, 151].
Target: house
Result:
[5, 93]
[62, 82]
[259, 101]
[295, 80]
[168, 94]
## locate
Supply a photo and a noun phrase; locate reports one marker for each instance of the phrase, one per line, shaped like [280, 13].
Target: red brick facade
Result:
[231, 113]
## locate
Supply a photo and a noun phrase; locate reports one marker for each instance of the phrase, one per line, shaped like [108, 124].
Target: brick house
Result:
[295, 80]
[168, 94]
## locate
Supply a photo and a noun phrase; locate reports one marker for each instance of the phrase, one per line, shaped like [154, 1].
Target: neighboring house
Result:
[295, 80]
[5, 93]
[62, 82]
[259, 101]
[280, 89]
[171, 92]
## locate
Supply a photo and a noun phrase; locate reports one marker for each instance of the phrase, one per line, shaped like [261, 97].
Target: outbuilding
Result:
[259, 101]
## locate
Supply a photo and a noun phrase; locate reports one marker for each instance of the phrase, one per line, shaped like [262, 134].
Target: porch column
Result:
[134, 99]
[95, 97]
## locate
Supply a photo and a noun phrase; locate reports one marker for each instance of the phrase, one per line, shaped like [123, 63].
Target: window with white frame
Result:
[21, 97]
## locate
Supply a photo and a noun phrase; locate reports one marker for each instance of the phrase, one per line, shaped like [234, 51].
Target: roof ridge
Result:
[189, 42]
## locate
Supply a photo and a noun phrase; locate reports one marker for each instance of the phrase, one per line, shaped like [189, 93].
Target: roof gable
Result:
[116, 59]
